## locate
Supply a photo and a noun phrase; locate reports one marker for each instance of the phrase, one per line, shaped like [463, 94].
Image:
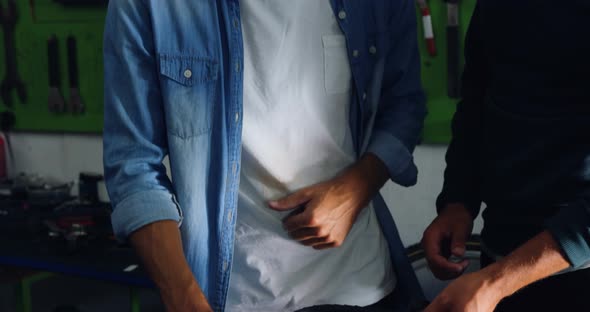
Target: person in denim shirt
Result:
[281, 121]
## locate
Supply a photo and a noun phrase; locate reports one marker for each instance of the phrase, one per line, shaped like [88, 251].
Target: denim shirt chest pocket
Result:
[188, 84]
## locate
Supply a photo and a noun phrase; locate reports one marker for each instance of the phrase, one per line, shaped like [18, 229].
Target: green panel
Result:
[86, 25]
[434, 71]
[134, 301]
[23, 291]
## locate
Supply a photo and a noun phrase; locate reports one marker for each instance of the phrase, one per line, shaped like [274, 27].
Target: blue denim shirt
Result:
[173, 87]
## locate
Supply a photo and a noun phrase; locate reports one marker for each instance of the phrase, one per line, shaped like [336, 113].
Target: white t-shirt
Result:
[297, 83]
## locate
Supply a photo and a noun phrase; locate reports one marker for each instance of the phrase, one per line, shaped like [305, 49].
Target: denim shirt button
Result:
[342, 15]
[188, 73]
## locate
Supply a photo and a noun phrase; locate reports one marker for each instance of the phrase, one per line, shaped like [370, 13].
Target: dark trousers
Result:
[564, 292]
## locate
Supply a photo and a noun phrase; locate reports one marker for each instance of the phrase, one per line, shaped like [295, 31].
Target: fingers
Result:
[458, 240]
[316, 241]
[314, 222]
[308, 233]
[318, 237]
[325, 246]
[314, 237]
[299, 221]
[444, 269]
[432, 242]
[292, 201]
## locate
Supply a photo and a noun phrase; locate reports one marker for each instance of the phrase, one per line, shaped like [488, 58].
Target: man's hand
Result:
[446, 237]
[481, 291]
[160, 248]
[329, 209]
[473, 292]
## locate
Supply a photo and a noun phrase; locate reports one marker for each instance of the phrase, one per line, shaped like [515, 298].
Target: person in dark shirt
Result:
[521, 145]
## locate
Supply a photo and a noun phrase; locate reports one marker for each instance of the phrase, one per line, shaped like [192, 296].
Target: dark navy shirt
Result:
[521, 134]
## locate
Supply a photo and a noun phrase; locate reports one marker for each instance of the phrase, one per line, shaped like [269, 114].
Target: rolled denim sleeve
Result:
[402, 107]
[571, 229]
[135, 141]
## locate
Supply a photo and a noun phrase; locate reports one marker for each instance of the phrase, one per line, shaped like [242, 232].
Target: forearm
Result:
[160, 248]
[374, 171]
[539, 258]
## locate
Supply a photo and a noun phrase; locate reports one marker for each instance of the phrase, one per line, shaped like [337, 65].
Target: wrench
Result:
[12, 80]
[55, 100]
[453, 50]
[76, 104]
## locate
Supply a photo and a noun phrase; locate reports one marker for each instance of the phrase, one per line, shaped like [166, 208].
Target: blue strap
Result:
[408, 290]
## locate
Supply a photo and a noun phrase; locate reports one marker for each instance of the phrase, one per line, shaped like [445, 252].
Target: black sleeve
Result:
[462, 174]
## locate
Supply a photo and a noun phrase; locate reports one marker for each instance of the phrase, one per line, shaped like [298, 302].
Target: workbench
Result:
[103, 263]
[28, 258]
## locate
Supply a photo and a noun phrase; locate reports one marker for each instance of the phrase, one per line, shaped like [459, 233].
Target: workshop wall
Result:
[55, 42]
[54, 51]
[56, 140]
[62, 157]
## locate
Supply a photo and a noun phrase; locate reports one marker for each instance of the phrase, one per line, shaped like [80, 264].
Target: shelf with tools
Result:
[441, 49]
[58, 52]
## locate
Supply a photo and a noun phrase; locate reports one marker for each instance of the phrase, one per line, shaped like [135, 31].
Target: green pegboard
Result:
[437, 128]
[38, 20]
[86, 24]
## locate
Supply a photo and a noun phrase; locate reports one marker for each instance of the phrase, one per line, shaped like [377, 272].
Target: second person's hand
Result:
[445, 237]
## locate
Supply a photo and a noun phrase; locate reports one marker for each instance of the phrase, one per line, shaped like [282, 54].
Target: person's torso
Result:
[535, 154]
[536, 55]
[296, 133]
[203, 113]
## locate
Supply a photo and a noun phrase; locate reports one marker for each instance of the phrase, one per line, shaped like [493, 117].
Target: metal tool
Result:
[427, 25]
[55, 100]
[75, 101]
[82, 2]
[12, 80]
[32, 10]
[453, 50]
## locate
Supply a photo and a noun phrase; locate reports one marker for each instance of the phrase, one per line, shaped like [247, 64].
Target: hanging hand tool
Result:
[76, 104]
[32, 10]
[427, 25]
[12, 80]
[82, 2]
[453, 50]
[55, 100]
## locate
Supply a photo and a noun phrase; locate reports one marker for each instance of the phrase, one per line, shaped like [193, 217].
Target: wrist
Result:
[372, 172]
[178, 289]
[456, 210]
[185, 298]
